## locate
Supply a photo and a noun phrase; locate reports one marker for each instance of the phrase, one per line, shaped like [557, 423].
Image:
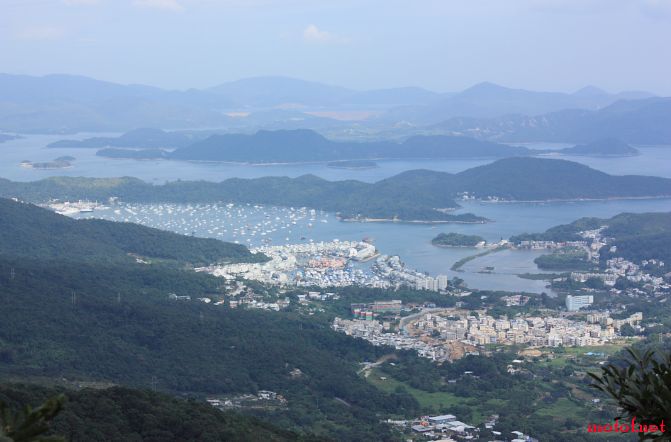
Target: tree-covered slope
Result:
[637, 236]
[349, 198]
[30, 231]
[115, 323]
[524, 179]
[123, 414]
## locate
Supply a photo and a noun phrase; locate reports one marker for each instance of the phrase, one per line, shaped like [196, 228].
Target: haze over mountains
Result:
[491, 100]
[283, 91]
[66, 103]
[644, 121]
[304, 145]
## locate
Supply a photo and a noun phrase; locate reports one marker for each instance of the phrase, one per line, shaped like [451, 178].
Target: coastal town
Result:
[644, 282]
[329, 264]
[449, 334]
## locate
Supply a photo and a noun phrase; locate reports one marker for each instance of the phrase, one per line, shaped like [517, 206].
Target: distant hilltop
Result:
[635, 121]
[70, 104]
[285, 146]
[304, 145]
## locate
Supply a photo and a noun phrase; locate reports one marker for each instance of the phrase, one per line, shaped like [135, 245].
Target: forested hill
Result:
[123, 414]
[524, 179]
[637, 236]
[30, 231]
[641, 236]
[349, 198]
[75, 308]
[288, 146]
[121, 328]
[409, 196]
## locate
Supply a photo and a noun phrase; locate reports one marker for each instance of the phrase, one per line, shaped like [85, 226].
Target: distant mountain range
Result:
[418, 195]
[488, 100]
[270, 92]
[644, 121]
[67, 104]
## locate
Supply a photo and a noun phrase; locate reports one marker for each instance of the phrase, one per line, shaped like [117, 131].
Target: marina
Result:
[259, 226]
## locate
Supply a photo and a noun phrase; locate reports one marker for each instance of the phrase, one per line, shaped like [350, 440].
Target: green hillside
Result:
[637, 236]
[535, 179]
[30, 231]
[123, 414]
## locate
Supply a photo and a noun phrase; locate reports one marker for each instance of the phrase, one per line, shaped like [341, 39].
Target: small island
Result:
[353, 164]
[457, 240]
[608, 147]
[63, 162]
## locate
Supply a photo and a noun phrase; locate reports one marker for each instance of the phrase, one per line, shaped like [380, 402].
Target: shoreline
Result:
[572, 200]
[400, 221]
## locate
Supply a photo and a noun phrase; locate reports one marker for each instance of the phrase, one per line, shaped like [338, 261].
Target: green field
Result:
[435, 401]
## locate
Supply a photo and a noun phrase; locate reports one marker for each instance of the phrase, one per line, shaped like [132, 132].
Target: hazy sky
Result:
[444, 45]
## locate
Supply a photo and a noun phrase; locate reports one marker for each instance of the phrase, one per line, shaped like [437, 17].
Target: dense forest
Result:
[123, 414]
[116, 324]
[641, 236]
[71, 314]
